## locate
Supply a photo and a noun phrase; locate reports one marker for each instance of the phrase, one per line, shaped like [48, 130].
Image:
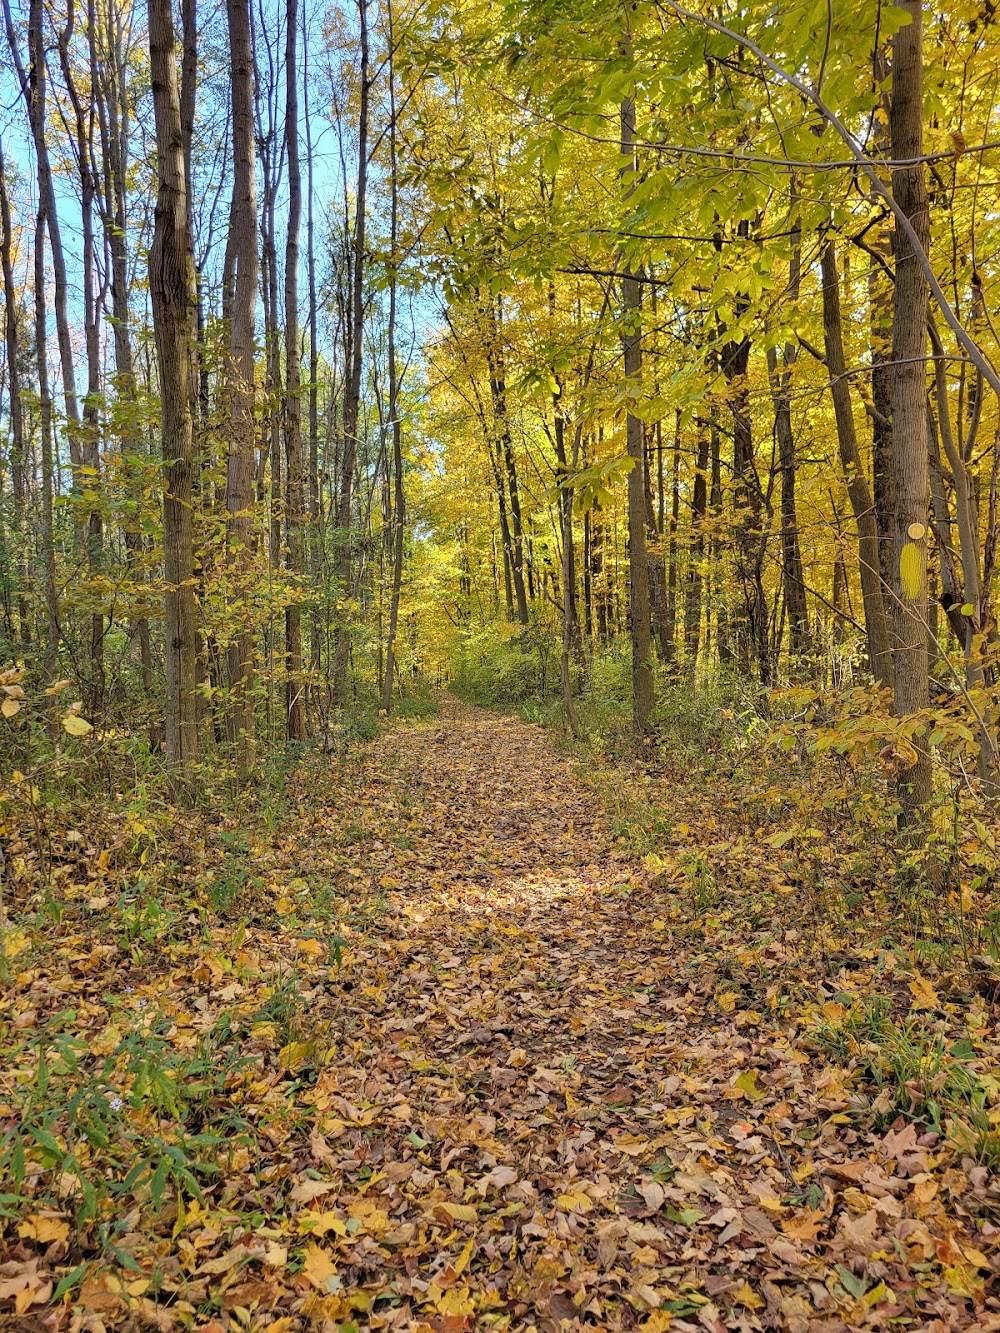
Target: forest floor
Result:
[459, 1061]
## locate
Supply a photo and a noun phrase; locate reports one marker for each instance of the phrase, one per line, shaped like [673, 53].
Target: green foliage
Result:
[916, 1069]
[75, 1100]
[416, 703]
[491, 668]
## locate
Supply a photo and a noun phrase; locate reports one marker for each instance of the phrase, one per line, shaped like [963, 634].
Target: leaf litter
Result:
[453, 1058]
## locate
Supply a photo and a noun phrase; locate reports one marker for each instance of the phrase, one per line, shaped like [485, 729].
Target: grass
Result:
[915, 1068]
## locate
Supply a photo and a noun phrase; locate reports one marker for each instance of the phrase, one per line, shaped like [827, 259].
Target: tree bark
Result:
[876, 620]
[781, 396]
[113, 113]
[693, 599]
[315, 498]
[294, 507]
[87, 478]
[505, 453]
[639, 601]
[33, 90]
[172, 297]
[18, 456]
[48, 552]
[355, 325]
[241, 303]
[395, 424]
[909, 440]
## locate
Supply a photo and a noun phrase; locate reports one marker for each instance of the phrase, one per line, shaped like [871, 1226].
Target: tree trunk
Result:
[876, 621]
[294, 507]
[315, 505]
[172, 297]
[505, 453]
[909, 440]
[791, 556]
[87, 480]
[53, 631]
[751, 537]
[692, 605]
[33, 89]
[18, 457]
[395, 424]
[781, 396]
[240, 300]
[113, 111]
[642, 670]
[352, 392]
[670, 611]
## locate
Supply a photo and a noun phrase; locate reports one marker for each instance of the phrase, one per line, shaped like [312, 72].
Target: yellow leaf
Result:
[320, 1270]
[24, 1299]
[318, 1224]
[12, 942]
[924, 994]
[748, 1297]
[276, 1256]
[747, 1084]
[76, 725]
[462, 1262]
[880, 1292]
[726, 1000]
[911, 571]
[458, 1212]
[373, 1219]
[452, 1301]
[964, 1280]
[576, 1202]
[44, 1227]
[10, 708]
[659, 1321]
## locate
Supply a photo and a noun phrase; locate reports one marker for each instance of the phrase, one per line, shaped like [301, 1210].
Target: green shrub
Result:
[418, 705]
[492, 669]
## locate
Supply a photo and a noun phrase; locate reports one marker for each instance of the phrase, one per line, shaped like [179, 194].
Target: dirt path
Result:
[549, 1115]
[445, 1059]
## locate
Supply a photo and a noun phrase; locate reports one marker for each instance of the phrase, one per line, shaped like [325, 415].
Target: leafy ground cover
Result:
[460, 1034]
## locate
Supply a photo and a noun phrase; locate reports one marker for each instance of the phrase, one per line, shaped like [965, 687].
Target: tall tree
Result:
[294, 506]
[876, 620]
[639, 599]
[909, 397]
[354, 334]
[240, 302]
[398, 508]
[18, 458]
[172, 297]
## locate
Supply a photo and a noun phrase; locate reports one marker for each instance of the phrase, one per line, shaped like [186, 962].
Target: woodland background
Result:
[350, 350]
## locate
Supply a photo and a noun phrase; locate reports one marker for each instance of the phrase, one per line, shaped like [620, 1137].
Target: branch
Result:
[862, 160]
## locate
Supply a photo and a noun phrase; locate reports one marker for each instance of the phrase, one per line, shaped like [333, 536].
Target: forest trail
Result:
[446, 1058]
[553, 1112]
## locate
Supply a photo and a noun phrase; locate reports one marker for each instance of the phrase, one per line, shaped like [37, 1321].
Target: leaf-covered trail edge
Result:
[523, 1096]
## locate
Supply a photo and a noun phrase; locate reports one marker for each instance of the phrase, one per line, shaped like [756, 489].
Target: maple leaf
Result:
[320, 1270]
[924, 994]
